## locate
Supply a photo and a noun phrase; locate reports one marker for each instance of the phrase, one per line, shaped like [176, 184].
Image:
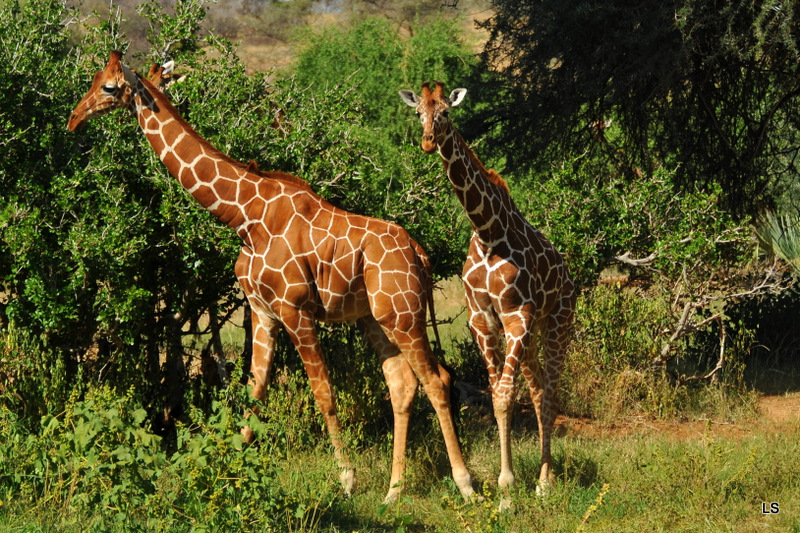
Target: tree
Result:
[367, 64]
[707, 86]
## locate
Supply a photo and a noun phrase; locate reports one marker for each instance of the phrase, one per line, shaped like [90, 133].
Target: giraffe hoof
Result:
[392, 496]
[348, 479]
[505, 505]
[475, 498]
[543, 489]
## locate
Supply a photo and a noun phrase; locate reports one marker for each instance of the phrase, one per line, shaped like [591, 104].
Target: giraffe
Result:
[302, 260]
[517, 286]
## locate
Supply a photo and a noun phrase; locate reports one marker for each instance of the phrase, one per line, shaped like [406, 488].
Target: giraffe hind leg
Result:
[416, 350]
[402, 385]
[542, 378]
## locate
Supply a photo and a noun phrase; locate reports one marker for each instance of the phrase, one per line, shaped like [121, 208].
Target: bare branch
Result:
[713, 375]
[628, 260]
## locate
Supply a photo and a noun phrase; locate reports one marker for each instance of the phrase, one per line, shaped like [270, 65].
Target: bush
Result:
[609, 370]
[672, 268]
[98, 462]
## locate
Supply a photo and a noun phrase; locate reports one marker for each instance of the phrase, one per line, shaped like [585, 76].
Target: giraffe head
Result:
[111, 89]
[433, 108]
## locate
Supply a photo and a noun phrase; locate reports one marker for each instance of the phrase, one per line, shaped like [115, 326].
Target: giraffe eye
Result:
[110, 89]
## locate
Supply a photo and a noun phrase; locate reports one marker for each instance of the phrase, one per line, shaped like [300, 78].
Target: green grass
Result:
[640, 480]
[635, 482]
[649, 483]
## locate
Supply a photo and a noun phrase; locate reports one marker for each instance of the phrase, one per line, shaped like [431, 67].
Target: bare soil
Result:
[774, 414]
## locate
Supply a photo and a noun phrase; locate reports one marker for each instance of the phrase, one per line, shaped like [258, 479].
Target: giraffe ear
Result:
[457, 96]
[410, 98]
[169, 68]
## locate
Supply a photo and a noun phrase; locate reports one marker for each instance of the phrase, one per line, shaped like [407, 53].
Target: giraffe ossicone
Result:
[518, 290]
[302, 260]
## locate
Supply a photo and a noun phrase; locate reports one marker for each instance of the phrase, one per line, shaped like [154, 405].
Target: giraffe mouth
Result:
[75, 123]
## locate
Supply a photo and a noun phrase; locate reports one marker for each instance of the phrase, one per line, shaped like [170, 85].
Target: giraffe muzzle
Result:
[75, 123]
[428, 143]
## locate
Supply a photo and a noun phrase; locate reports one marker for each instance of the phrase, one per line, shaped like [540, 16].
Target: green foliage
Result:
[609, 371]
[23, 362]
[649, 479]
[98, 461]
[778, 235]
[366, 65]
[374, 59]
[593, 221]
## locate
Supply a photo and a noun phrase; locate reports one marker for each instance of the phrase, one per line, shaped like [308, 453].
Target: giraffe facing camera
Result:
[518, 290]
[303, 260]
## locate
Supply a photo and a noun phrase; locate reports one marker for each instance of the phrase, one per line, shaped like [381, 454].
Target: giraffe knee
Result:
[503, 403]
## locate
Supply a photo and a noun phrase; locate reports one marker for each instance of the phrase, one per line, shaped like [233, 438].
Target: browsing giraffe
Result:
[302, 260]
[516, 283]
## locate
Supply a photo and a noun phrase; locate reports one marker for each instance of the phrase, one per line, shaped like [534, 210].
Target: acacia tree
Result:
[707, 86]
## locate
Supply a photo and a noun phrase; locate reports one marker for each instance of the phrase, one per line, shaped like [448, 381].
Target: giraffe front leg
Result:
[503, 405]
[303, 333]
[535, 379]
[517, 337]
[555, 339]
[265, 332]
[486, 333]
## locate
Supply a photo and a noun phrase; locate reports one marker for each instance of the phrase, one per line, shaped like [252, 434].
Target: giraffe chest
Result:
[504, 280]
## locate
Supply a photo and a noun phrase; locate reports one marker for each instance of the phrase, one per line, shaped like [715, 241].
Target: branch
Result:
[712, 375]
[765, 285]
[680, 330]
[686, 326]
[628, 260]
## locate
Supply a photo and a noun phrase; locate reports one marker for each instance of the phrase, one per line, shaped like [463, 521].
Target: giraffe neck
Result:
[483, 193]
[210, 176]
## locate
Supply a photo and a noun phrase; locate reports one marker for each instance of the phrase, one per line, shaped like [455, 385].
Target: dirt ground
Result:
[775, 413]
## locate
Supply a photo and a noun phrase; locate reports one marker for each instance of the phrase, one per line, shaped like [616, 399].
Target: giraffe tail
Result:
[438, 351]
[427, 281]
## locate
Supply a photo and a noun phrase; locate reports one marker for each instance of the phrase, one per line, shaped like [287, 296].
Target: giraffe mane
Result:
[498, 180]
[284, 177]
[277, 175]
[490, 174]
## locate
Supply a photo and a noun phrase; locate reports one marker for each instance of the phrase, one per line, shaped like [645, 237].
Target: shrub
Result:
[609, 370]
[97, 460]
